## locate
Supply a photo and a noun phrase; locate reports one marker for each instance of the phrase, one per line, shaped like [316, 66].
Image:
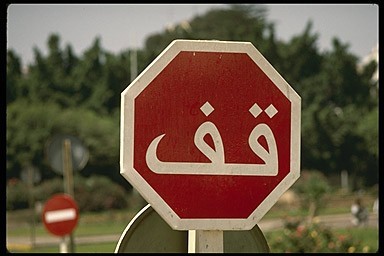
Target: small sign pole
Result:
[200, 241]
[63, 245]
[68, 180]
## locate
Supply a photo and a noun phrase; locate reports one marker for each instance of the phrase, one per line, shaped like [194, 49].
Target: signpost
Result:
[66, 154]
[60, 216]
[31, 175]
[210, 137]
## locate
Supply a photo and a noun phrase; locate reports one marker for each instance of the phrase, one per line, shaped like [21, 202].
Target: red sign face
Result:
[211, 137]
[60, 214]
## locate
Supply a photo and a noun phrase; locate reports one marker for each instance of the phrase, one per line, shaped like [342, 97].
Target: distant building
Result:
[373, 55]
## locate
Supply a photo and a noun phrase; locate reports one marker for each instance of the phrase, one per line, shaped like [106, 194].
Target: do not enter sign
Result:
[210, 135]
[60, 214]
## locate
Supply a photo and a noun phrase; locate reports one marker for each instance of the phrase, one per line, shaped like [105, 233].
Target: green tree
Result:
[62, 92]
[237, 23]
[99, 79]
[13, 76]
[335, 100]
[300, 60]
[116, 77]
[48, 78]
[312, 187]
[27, 128]
[70, 60]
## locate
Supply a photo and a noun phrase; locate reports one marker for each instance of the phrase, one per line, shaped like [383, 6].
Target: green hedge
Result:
[16, 195]
[95, 193]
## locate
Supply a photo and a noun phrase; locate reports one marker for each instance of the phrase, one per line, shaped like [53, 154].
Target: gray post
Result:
[68, 180]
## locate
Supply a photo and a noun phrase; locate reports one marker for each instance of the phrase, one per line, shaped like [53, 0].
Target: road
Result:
[334, 221]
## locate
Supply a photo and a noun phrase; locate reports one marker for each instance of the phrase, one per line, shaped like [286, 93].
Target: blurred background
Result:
[68, 64]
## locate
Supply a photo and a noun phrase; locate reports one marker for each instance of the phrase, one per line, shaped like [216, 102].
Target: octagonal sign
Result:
[210, 135]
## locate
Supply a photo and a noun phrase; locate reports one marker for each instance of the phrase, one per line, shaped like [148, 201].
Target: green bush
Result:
[16, 195]
[96, 193]
[312, 187]
[312, 237]
[48, 188]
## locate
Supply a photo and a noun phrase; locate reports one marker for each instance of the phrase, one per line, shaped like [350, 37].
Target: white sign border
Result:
[127, 134]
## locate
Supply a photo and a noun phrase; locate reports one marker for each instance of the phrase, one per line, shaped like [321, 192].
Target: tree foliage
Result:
[80, 95]
[312, 187]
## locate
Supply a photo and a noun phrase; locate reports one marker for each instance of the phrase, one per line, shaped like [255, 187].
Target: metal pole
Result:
[68, 172]
[208, 241]
[68, 180]
[31, 177]
[344, 180]
[63, 245]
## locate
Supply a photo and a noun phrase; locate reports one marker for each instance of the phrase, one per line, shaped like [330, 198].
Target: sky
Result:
[126, 26]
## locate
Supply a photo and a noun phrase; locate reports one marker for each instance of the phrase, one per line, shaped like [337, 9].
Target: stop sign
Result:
[60, 214]
[210, 135]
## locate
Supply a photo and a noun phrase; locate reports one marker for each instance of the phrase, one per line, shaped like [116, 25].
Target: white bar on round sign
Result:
[60, 215]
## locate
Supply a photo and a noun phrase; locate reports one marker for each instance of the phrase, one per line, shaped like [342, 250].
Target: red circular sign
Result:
[213, 131]
[60, 214]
